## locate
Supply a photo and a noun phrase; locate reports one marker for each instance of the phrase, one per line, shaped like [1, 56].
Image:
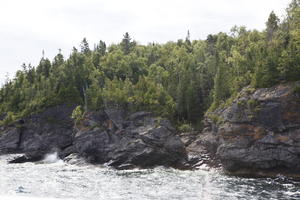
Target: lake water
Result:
[55, 179]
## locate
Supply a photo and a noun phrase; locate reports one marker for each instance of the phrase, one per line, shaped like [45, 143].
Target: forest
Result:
[180, 80]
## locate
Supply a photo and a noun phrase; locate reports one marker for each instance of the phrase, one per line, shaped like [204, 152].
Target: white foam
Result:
[52, 158]
[27, 198]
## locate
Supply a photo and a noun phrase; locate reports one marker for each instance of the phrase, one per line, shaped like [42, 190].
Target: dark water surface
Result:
[56, 179]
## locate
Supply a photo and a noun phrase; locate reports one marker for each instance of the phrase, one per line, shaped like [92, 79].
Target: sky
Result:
[27, 28]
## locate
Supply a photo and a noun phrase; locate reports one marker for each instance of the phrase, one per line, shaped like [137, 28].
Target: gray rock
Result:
[259, 132]
[9, 140]
[144, 143]
[40, 133]
[75, 159]
[102, 137]
[116, 116]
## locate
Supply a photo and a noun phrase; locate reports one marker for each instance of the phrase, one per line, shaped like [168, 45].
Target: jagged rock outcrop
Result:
[259, 132]
[141, 140]
[39, 134]
[201, 151]
[113, 137]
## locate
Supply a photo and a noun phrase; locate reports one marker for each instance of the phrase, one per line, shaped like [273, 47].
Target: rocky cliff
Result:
[113, 137]
[39, 134]
[258, 133]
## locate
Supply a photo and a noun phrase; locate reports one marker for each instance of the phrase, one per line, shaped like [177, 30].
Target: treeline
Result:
[180, 80]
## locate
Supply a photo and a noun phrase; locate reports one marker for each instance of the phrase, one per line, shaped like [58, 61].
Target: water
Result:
[54, 179]
[52, 158]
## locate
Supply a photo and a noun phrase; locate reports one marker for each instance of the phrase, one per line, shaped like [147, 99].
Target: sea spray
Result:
[52, 158]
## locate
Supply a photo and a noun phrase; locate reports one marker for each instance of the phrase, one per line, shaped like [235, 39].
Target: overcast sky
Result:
[27, 27]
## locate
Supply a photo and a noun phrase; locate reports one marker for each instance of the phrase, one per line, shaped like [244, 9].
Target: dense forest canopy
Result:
[180, 80]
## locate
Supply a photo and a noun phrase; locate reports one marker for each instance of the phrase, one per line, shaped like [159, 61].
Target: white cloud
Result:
[28, 27]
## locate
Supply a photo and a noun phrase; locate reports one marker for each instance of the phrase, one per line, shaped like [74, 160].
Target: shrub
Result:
[185, 128]
[77, 114]
[216, 119]
[241, 103]
[10, 117]
[249, 90]
[252, 104]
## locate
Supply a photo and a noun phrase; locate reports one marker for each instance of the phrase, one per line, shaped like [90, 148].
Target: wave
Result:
[27, 198]
[52, 158]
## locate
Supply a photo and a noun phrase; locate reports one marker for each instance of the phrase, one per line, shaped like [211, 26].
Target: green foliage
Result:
[253, 104]
[249, 90]
[185, 128]
[10, 118]
[215, 118]
[144, 95]
[180, 80]
[242, 103]
[85, 49]
[77, 114]
[272, 25]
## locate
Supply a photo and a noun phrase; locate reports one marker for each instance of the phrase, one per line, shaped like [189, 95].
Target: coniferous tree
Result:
[180, 79]
[84, 46]
[272, 25]
[126, 43]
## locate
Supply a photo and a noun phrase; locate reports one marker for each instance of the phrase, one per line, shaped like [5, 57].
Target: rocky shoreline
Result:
[255, 135]
[258, 133]
[110, 136]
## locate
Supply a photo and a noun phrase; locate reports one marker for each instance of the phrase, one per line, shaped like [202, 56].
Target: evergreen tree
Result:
[58, 60]
[126, 43]
[272, 25]
[101, 48]
[84, 46]
[180, 79]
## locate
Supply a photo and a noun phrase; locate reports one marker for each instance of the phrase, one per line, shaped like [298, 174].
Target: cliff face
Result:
[39, 133]
[113, 137]
[259, 132]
